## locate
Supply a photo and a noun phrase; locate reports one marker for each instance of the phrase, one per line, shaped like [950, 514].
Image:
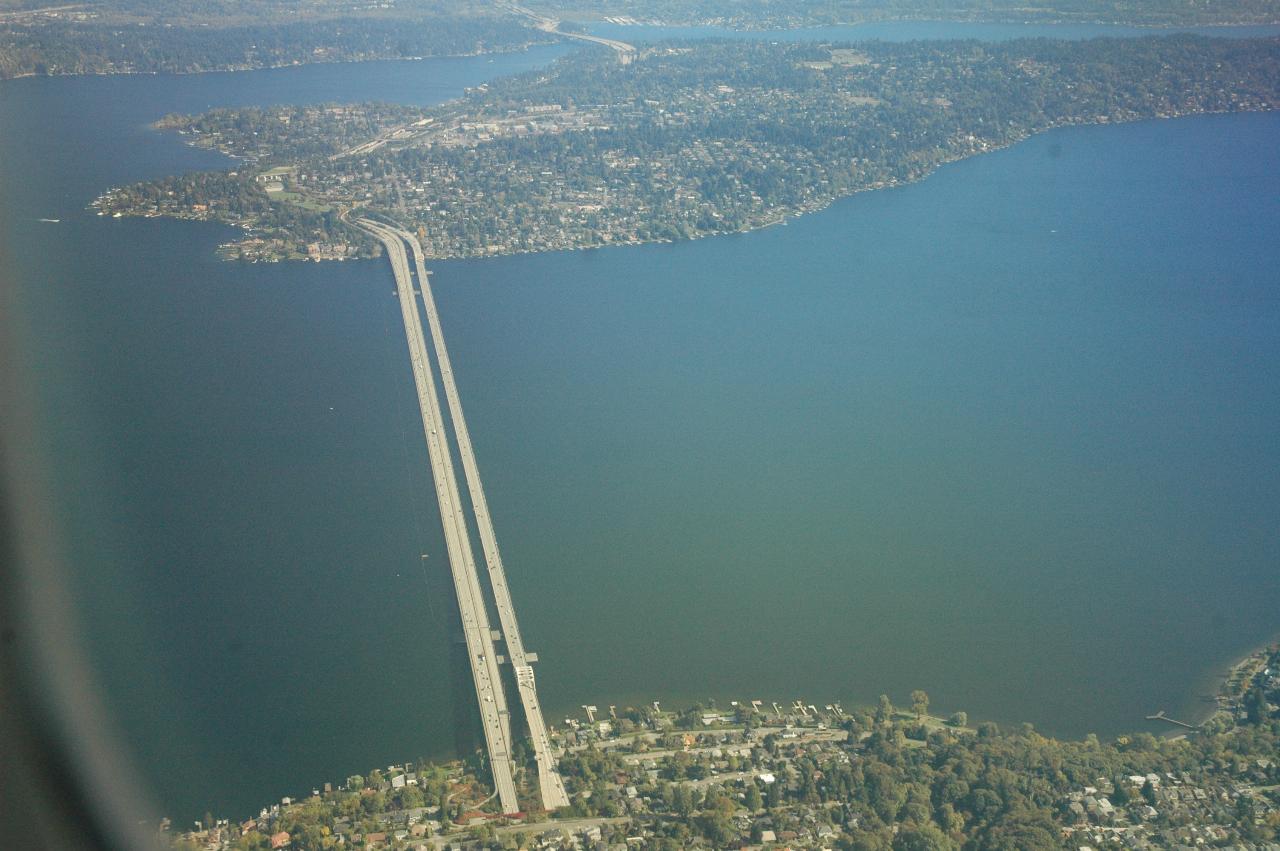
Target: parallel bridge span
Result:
[549, 780]
[471, 600]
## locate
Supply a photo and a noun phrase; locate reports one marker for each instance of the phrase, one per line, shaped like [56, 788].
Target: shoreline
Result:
[241, 69]
[757, 721]
[1216, 688]
[780, 216]
[1222, 681]
[1170, 29]
[1154, 28]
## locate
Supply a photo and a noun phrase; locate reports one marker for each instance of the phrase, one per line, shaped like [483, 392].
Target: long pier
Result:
[550, 783]
[1160, 716]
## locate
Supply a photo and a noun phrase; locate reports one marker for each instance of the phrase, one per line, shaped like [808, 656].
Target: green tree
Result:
[375, 803]
[410, 797]
[884, 710]
[951, 821]
[717, 828]
[252, 841]
[923, 837]
[1027, 831]
[1255, 705]
[681, 800]
[483, 833]
[985, 805]
[773, 795]
[920, 702]
[870, 841]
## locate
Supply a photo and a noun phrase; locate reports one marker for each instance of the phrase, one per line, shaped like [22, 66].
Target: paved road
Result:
[559, 827]
[490, 695]
[549, 780]
[626, 52]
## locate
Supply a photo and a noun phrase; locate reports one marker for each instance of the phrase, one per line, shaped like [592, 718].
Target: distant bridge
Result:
[626, 52]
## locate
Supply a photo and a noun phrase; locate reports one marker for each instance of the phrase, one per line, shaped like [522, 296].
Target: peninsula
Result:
[686, 140]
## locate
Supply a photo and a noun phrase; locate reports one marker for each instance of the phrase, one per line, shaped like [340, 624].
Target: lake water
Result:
[1008, 435]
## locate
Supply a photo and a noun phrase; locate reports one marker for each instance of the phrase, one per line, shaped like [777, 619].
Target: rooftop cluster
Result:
[754, 775]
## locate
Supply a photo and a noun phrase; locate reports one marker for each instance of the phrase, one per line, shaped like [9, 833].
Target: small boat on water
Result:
[50, 221]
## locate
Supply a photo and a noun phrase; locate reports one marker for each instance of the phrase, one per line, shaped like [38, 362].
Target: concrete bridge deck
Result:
[549, 780]
[471, 599]
[490, 695]
[626, 52]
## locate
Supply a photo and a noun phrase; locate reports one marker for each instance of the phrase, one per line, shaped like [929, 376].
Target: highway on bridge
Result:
[549, 781]
[490, 695]
[626, 52]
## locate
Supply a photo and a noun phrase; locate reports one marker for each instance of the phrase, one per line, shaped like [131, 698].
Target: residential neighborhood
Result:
[797, 775]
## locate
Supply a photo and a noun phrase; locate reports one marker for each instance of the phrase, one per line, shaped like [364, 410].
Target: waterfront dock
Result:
[1160, 716]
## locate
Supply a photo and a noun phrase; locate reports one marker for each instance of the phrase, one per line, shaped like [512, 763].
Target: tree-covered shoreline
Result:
[193, 36]
[880, 778]
[88, 48]
[782, 14]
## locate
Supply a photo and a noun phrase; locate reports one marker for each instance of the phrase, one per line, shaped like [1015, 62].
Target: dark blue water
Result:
[233, 449]
[1008, 435]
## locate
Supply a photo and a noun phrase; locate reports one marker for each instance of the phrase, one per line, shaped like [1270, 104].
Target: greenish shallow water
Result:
[1008, 435]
